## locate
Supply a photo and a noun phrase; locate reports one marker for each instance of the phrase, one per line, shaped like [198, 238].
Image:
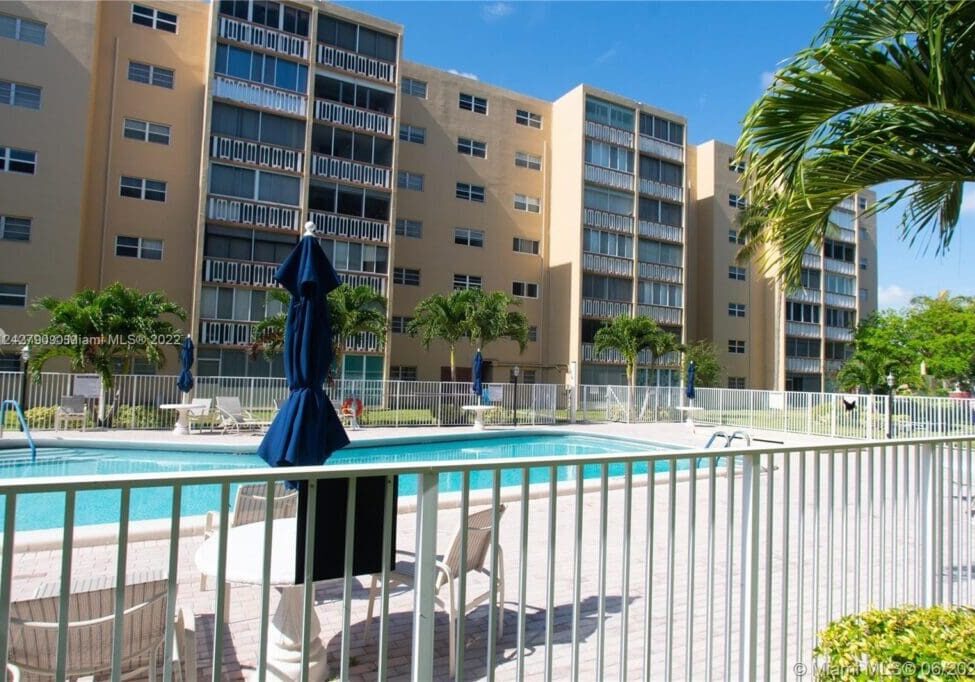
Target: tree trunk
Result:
[631, 380]
[453, 364]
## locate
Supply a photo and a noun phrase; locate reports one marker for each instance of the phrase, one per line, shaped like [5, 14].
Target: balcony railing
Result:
[601, 131]
[239, 272]
[844, 234]
[661, 273]
[660, 148]
[344, 60]
[804, 295]
[660, 189]
[266, 155]
[253, 213]
[596, 262]
[839, 334]
[363, 343]
[261, 36]
[840, 300]
[660, 313]
[667, 233]
[609, 177]
[840, 266]
[356, 279]
[812, 260]
[593, 307]
[353, 117]
[259, 95]
[666, 360]
[803, 365]
[613, 356]
[608, 221]
[352, 171]
[334, 224]
[803, 329]
[226, 332]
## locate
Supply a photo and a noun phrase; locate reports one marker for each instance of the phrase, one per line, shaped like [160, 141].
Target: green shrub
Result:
[37, 418]
[902, 643]
[142, 416]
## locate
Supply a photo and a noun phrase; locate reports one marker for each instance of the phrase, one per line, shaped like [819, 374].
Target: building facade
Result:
[181, 146]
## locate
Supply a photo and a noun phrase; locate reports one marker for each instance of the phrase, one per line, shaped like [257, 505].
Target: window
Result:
[601, 111]
[356, 38]
[864, 263]
[259, 126]
[359, 95]
[521, 245]
[838, 284]
[402, 373]
[467, 282]
[138, 247]
[524, 289]
[141, 188]
[526, 160]
[736, 309]
[353, 256]
[862, 203]
[24, 30]
[13, 295]
[20, 95]
[736, 382]
[258, 185]
[409, 133]
[533, 333]
[406, 276]
[608, 200]
[736, 346]
[810, 279]
[655, 211]
[736, 165]
[238, 62]
[736, 201]
[735, 237]
[609, 156]
[409, 228]
[145, 131]
[842, 218]
[839, 251]
[839, 317]
[661, 171]
[346, 200]
[864, 293]
[527, 118]
[658, 252]
[607, 243]
[736, 273]
[658, 293]
[608, 288]
[14, 229]
[478, 105]
[151, 75]
[410, 180]
[836, 350]
[154, 18]
[469, 192]
[526, 203]
[398, 324]
[801, 348]
[471, 147]
[661, 129]
[468, 237]
[270, 14]
[348, 145]
[412, 86]
[18, 160]
[801, 312]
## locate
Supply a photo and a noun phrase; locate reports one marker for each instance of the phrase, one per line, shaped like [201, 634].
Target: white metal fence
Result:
[725, 564]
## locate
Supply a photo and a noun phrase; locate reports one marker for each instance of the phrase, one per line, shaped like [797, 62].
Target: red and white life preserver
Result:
[352, 406]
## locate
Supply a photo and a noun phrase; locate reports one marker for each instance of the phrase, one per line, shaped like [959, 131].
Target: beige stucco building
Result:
[181, 146]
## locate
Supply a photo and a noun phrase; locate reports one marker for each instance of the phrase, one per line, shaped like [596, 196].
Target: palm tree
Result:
[867, 370]
[490, 319]
[441, 317]
[631, 335]
[884, 94]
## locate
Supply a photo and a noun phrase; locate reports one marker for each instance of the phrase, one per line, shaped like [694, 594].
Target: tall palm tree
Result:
[441, 317]
[629, 336]
[885, 93]
[490, 318]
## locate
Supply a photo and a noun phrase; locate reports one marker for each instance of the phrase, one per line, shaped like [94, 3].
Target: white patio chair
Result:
[201, 413]
[234, 417]
[73, 408]
[448, 570]
[33, 631]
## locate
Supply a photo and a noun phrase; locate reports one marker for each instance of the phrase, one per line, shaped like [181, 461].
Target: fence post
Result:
[929, 537]
[399, 385]
[869, 417]
[748, 656]
[426, 559]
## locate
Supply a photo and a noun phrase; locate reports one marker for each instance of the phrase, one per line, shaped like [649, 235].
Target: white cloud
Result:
[766, 79]
[894, 296]
[463, 74]
[494, 11]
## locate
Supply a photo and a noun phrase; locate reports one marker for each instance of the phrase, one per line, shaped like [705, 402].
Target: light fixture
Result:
[25, 353]
[516, 371]
[890, 380]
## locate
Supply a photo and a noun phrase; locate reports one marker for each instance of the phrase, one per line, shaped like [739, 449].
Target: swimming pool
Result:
[46, 510]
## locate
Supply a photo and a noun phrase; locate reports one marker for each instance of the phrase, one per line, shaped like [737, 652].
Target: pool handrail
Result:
[23, 425]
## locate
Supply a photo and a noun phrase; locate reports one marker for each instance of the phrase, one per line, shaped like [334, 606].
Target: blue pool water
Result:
[46, 510]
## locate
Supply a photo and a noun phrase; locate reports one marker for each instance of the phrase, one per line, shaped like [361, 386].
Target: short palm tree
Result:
[886, 93]
[867, 370]
[441, 317]
[490, 318]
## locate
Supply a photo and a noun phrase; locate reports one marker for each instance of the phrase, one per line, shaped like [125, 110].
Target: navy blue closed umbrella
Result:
[476, 369]
[185, 379]
[306, 430]
[691, 370]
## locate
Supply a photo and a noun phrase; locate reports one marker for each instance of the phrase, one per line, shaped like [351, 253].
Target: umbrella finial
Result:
[309, 229]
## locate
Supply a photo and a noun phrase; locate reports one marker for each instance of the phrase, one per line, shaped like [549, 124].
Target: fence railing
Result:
[720, 564]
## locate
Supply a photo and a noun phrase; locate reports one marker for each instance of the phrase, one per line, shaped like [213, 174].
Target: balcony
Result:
[812, 260]
[668, 360]
[660, 313]
[840, 266]
[614, 357]
[592, 307]
[356, 279]
[839, 334]
[344, 60]
[256, 213]
[607, 265]
[226, 332]
[804, 295]
[259, 95]
[609, 177]
[661, 273]
[661, 190]
[266, 155]
[601, 131]
[353, 117]
[363, 343]
[803, 365]
[350, 171]
[220, 271]
[667, 233]
[334, 224]
[848, 204]
[803, 329]
[262, 36]
[608, 221]
[657, 147]
[834, 366]
[843, 234]
[840, 300]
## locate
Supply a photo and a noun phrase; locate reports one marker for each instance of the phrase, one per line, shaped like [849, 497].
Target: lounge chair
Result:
[234, 417]
[201, 413]
[448, 569]
[249, 508]
[33, 637]
[73, 408]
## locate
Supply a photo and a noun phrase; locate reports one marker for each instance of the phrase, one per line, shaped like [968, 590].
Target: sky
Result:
[707, 61]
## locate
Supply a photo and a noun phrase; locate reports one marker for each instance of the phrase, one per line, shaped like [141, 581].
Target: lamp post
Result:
[515, 371]
[24, 359]
[890, 404]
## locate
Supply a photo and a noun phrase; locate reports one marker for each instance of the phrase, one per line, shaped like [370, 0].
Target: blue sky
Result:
[705, 60]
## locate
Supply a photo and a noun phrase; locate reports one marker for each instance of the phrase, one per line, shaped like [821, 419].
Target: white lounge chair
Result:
[33, 637]
[201, 413]
[448, 569]
[234, 417]
[73, 408]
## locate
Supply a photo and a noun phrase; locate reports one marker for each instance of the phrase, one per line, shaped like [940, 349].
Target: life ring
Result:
[352, 406]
